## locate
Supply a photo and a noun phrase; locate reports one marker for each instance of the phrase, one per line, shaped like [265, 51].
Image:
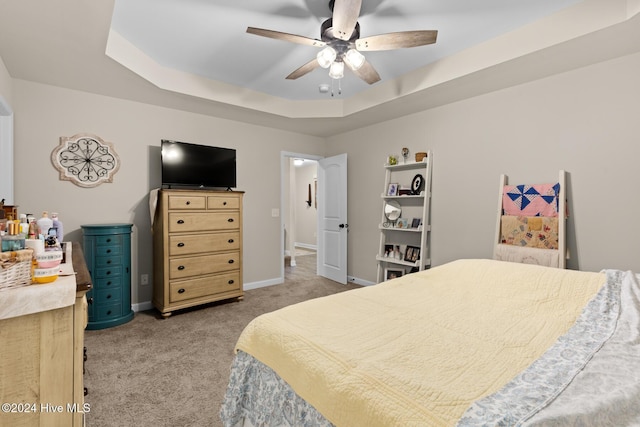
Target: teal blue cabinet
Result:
[107, 251]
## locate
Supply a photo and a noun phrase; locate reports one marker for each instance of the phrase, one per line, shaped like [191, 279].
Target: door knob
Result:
[343, 225]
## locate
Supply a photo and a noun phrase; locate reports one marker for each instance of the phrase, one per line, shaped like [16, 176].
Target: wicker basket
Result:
[420, 156]
[15, 268]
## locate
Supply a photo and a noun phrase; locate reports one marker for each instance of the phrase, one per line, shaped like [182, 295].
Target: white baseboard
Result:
[261, 284]
[142, 306]
[147, 305]
[360, 282]
[306, 246]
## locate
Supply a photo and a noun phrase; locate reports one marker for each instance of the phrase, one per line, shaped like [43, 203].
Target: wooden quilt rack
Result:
[520, 249]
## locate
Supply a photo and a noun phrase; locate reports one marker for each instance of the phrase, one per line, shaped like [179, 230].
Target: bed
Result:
[473, 342]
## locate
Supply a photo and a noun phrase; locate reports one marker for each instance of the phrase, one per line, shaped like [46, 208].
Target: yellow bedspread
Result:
[418, 350]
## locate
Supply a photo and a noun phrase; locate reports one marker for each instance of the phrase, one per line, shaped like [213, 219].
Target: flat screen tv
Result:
[201, 166]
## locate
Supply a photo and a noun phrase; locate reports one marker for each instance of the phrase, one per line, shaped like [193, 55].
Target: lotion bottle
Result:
[44, 224]
[57, 224]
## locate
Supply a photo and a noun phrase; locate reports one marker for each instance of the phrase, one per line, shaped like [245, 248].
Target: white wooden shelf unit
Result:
[415, 207]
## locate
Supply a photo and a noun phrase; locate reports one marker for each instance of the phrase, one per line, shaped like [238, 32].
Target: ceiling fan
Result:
[340, 38]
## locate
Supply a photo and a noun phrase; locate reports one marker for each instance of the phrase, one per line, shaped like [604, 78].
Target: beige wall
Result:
[584, 121]
[45, 113]
[5, 83]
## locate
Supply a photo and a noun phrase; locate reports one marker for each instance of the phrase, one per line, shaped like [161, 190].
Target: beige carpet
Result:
[174, 372]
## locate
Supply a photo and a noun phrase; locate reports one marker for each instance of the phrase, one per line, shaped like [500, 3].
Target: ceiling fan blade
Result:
[366, 72]
[305, 69]
[285, 36]
[397, 40]
[345, 16]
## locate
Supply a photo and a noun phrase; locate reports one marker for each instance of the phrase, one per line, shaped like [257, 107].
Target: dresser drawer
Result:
[110, 239]
[107, 296]
[108, 311]
[204, 286]
[223, 202]
[187, 202]
[188, 222]
[108, 250]
[106, 272]
[107, 283]
[203, 243]
[106, 261]
[205, 264]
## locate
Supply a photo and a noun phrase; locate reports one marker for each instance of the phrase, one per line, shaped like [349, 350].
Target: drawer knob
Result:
[231, 261]
[231, 282]
[230, 220]
[109, 296]
[180, 244]
[181, 291]
[108, 272]
[109, 262]
[224, 203]
[108, 283]
[230, 240]
[108, 312]
[108, 240]
[181, 267]
[181, 221]
[188, 202]
[108, 251]
[90, 300]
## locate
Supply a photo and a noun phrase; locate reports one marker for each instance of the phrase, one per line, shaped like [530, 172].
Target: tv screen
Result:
[194, 165]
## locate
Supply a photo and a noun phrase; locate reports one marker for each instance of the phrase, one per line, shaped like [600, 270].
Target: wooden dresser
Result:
[41, 351]
[197, 248]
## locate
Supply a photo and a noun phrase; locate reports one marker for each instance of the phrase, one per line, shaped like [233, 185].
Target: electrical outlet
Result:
[144, 279]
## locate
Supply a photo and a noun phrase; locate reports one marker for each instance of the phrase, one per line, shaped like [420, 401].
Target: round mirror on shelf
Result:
[392, 212]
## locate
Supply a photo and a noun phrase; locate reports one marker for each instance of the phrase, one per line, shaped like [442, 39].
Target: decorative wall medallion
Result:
[85, 159]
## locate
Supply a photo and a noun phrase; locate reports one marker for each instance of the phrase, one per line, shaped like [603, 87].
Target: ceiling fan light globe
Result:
[326, 57]
[337, 70]
[354, 59]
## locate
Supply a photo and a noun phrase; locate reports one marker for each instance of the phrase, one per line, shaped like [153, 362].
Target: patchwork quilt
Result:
[530, 231]
[531, 200]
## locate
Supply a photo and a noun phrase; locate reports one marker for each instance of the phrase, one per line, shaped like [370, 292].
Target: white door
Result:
[332, 218]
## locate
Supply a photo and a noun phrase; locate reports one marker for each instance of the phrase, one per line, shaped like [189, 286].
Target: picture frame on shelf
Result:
[392, 190]
[393, 273]
[415, 223]
[412, 254]
[388, 251]
[397, 252]
[402, 223]
[417, 184]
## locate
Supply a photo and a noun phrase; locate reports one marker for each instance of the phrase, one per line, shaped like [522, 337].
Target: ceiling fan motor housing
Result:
[326, 33]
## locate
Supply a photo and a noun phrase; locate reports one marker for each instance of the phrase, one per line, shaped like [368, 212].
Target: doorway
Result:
[299, 212]
[328, 199]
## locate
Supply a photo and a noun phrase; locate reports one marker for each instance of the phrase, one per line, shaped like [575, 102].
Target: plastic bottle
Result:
[24, 224]
[33, 229]
[44, 224]
[57, 224]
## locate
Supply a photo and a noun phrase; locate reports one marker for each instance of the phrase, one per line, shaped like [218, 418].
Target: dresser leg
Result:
[165, 315]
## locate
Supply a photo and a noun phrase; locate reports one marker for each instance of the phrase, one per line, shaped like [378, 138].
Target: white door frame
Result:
[284, 187]
[6, 152]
